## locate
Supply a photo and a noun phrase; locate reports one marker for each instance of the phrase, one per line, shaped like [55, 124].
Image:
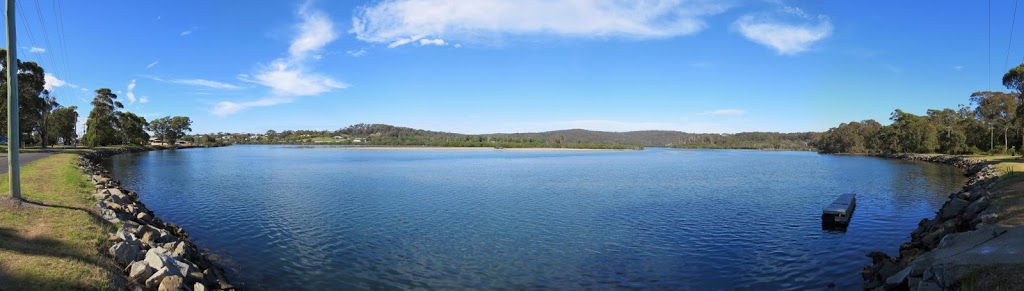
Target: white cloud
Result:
[131, 92]
[204, 83]
[315, 31]
[151, 65]
[225, 108]
[399, 22]
[52, 82]
[289, 78]
[37, 50]
[144, 99]
[356, 53]
[184, 33]
[725, 112]
[788, 31]
[438, 42]
[958, 67]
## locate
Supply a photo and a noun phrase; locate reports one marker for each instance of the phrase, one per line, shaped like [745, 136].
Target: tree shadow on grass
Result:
[11, 241]
[96, 217]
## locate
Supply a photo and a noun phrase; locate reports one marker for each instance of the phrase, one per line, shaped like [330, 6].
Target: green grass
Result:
[54, 240]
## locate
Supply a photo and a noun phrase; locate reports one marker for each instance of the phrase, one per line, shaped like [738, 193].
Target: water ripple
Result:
[293, 218]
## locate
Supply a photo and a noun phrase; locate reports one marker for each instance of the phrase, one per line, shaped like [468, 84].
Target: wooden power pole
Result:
[13, 131]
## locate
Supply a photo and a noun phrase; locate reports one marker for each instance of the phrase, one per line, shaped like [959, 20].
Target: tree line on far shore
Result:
[383, 134]
[993, 122]
[42, 121]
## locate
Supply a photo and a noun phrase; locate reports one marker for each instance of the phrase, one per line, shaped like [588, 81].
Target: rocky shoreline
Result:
[966, 210]
[155, 255]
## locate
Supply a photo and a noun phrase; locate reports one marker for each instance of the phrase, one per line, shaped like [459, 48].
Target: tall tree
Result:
[102, 121]
[49, 104]
[998, 110]
[132, 128]
[170, 128]
[1014, 80]
[30, 85]
[61, 125]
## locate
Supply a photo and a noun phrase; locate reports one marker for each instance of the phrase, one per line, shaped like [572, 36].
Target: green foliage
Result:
[132, 128]
[170, 128]
[61, 125]
[30, 104]
[102, 121]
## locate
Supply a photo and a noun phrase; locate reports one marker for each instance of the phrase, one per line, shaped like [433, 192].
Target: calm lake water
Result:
[287, 218]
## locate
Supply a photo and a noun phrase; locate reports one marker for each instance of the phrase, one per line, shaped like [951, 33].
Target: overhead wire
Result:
[1009, 44]
[62, 42]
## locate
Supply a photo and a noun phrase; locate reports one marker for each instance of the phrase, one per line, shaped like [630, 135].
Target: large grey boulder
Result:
[977, 206]
[158, 258]
[157, 277]
[140, 271]
[125, 252]
[953, 208]
[172, 283]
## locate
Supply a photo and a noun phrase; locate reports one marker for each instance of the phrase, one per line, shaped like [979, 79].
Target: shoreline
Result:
[152, 253]
[433, 148]
[967, 213]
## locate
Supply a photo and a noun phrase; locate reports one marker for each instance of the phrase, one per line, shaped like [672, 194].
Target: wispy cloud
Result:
[37, 50]
[131, 92]
[151, 65]
[356, 53]
[144, 99]
[52, 82]
[188, 31]
[400, 22]
[958, 67]
[288, 78]
[725, 112]
[205, 83]
[224, 108]
[788, 30]
[436, 41]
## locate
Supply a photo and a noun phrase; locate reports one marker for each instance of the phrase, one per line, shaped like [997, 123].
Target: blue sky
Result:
[519, 66]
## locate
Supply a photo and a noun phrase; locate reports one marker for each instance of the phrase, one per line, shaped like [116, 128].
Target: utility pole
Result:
[13, 131]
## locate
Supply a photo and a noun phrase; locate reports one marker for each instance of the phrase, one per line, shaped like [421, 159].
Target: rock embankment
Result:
[155, 255]
[964, 211]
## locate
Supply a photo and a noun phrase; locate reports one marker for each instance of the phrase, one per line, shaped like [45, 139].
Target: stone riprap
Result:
[965, 211]
[155, 255]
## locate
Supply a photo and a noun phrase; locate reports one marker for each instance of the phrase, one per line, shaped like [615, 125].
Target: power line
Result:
[24, 20]
[59, 19]
[1006, 63]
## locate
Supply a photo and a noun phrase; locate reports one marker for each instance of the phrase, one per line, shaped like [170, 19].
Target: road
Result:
[23, 159]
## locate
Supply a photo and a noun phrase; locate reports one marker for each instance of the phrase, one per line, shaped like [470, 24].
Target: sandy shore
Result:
[414, 148]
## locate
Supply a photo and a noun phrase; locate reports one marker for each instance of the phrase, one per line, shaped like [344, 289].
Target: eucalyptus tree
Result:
[30, 85]
[49, 103]
[102, 121]
[1014, 80]
[61, 125]
[170, 128]
[996, 109]
[132, 128]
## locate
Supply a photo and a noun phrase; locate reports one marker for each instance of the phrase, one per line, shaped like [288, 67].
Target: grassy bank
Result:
[54, 240]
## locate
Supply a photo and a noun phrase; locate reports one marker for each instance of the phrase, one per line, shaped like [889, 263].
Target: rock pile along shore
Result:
[155, 255]
[966, 210]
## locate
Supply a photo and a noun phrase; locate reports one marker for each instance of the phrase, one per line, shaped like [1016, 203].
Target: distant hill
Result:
[384, 134]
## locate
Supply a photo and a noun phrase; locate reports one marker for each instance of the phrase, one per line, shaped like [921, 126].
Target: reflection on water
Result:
[309, 218]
